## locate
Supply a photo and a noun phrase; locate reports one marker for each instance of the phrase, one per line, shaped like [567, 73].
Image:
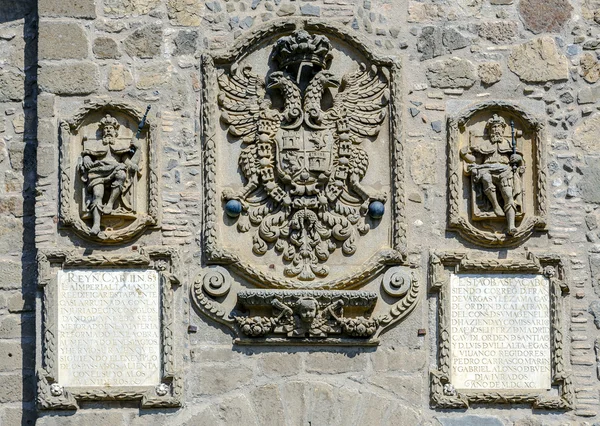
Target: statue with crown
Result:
[301, 130]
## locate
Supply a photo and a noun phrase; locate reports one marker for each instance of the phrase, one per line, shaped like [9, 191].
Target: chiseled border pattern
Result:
[53, 396]
[443, 394]
[210, 126]
[68, 215]
[535, 221]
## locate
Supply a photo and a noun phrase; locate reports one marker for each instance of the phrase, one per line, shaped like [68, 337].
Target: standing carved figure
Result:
[108, 168]
[497, 167]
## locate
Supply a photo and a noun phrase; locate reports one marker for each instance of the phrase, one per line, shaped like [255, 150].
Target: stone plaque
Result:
[109, 328]
[500, 331]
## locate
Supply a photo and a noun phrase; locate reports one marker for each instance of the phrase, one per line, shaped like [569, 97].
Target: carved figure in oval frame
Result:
[496, 174]
[108, 180]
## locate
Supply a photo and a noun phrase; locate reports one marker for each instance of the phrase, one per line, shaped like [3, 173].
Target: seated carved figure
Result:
[108, 167]
[497, 167]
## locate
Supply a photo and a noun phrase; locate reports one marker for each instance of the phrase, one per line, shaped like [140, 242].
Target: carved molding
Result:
[443, 394]
[51, 394]
[122, 223]
[215, 72]
[485, 227]
[323, 317]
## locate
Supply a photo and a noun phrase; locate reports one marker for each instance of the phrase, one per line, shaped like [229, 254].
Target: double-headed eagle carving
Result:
[301, 153]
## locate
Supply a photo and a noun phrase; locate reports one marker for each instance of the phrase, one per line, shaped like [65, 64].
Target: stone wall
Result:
[57, 55]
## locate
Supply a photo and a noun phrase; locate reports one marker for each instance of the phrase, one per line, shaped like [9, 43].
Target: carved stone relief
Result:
[496, 174]
[504, 386]
[304, 172]
[99, 375]
[109, 190]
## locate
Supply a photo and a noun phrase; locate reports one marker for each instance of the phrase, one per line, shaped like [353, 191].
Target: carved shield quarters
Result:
[496, 174]
[108, 183]
[303, 185]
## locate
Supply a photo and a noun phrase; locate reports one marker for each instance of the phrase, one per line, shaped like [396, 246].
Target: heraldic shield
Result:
[307, 162]
[304, 230]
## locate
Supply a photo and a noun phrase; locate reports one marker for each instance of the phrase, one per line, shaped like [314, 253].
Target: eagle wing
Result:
[364, 96]
[242, 93]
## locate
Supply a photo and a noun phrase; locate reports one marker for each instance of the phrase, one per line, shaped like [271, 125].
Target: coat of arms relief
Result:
[304, 184]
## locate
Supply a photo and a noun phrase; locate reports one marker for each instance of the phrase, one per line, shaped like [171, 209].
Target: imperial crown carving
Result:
[304, 186]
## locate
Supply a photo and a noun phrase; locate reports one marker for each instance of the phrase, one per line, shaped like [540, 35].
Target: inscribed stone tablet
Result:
[500, 332]
[108, 328]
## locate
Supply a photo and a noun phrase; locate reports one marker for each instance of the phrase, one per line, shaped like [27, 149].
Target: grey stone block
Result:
[68, 8]
[62, 40]
[79, 78]
[106, 48]
[144, 42]
[470, 420]
[11, 86]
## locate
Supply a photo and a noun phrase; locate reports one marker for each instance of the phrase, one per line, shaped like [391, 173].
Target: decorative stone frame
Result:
[443, 394]
[533, 220]
[50, 394]
[69, 129]
[214, 253]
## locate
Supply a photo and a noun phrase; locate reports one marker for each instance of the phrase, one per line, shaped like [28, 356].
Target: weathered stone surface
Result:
[217, 379]
[436, 41]
[68, 8]
[10, 272]
[106, 48]
[206, 417]
[590, 68]
[423, 165]
[11, 86]
[62, 40]
[451, 73]
[185, 13]
[588, 95]
[589, 186]
[236, 411]
[539, 61]
[18, 416]
[145, 42]
[118, 78]
[489, 72]
[469, 420]
[421, 12]
[153, 75]
[129, 7]
[186, 42]
[91, 416]
[47, 160]
[286, 10]
[14, 354]
[335, 362]
[545, 15]
[278, 364]
[586, 135]
[595, 311]
[76, 78]
[16, 388]
[268, 404]
[499, 32]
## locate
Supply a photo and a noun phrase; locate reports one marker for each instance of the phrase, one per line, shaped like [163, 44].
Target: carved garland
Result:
[66, 199]
[456, 221]
[51, 395]
[443, 393]
[214, 253]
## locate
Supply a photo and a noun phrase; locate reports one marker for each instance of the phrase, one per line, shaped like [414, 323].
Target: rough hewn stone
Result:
[335, 362]
[451, 73]
[62, 40]
[11, 86]
[588, 95]
[129, 7]
[106, 48]
[217, 379]
[539, 61]
[545, 15]
[68, 8]
[586, 135]
[186, 42]
[153, 76]
[594, 309]
[118, 78]
[145, 42]
[420, 12]
[436, 41]
[499, 32]
[75, 78]
[489, 72]
[590, 68]
[185, 13]
[268, 405]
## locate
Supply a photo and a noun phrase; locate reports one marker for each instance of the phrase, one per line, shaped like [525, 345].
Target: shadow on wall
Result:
[11, 11]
